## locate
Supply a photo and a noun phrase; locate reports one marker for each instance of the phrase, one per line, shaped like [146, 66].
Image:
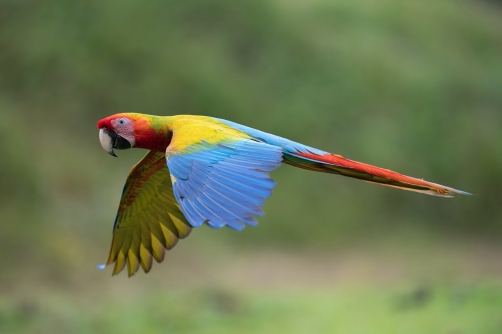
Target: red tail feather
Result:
[336, 164]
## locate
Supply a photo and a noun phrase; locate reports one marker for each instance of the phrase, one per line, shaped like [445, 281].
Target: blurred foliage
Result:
[412, 86]
[462, 309]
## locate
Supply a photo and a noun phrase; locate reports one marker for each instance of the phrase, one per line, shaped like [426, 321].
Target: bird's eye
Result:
[121, 122]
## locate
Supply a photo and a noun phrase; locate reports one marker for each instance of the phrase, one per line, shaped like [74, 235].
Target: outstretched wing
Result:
[220, 176]
[148, 219]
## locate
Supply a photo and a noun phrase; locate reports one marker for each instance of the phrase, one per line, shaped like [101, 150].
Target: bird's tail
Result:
[306, 157]
[336, 164]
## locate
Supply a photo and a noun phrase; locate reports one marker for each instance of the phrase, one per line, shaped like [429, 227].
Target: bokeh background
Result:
[414, 86]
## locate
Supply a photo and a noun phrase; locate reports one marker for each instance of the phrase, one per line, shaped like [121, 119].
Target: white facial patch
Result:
[125, 128]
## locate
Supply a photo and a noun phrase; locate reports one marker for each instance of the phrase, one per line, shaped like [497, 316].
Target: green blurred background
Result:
[414, 86]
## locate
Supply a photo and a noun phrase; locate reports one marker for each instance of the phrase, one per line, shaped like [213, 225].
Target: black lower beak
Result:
[121, 143]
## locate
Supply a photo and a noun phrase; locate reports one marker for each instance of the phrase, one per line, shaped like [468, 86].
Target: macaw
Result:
[204, 170]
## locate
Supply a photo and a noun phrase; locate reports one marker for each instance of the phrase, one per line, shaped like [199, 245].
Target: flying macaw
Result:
[207, 170]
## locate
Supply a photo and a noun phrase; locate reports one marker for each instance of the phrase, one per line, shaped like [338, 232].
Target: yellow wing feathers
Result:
[149, 219]
[190, 131]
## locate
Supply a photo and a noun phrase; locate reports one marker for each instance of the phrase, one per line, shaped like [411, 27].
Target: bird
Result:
[205, 170]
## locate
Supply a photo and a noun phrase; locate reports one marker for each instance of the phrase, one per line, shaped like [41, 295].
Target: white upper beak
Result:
[106, 140]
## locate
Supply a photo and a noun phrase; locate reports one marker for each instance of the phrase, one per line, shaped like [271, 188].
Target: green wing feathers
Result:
[149, 219]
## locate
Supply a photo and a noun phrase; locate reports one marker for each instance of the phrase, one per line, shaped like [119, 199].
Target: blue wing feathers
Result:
[247, 188]
[213, 219]
[237, 202]
[235, 211]
[238, 163]
[199, 180]
[178, 169]
[287, 146]
[244, 179]
[225, 184]
[191, 214]
[234, 223]
[251, 221]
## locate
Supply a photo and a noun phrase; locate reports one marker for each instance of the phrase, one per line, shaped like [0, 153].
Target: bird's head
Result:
[127, 130]
[118, 131]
